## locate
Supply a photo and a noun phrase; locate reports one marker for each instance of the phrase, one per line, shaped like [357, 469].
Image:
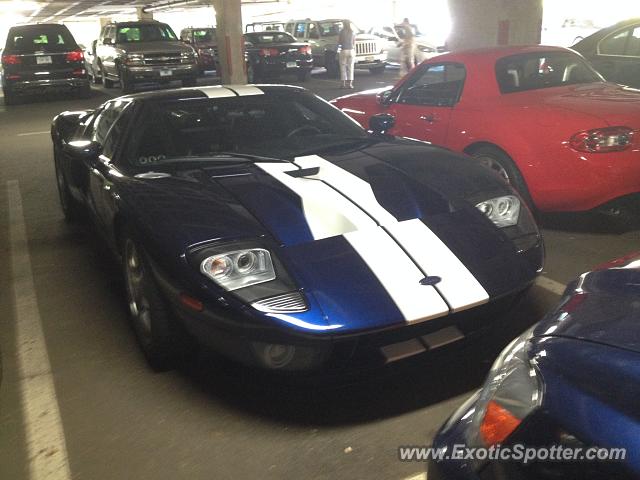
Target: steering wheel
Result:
[302, 128]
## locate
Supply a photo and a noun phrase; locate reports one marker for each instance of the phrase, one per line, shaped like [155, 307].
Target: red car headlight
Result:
[602, 140]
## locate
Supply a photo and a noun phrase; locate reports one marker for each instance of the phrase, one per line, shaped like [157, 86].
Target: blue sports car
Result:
[572, 382]
[264, 223]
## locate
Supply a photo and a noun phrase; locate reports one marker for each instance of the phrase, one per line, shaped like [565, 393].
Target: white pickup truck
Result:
[322, 35]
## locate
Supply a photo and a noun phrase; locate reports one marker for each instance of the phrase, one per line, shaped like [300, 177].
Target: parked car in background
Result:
[393, 35]
[570, 32]
[322, 36]
[571, 381]
[266, 224]
[273, 54]
[264, 27]
[615, 52]
[541, 117]
[205, 43]
[90, 62]
[40, 58]
[144, 52]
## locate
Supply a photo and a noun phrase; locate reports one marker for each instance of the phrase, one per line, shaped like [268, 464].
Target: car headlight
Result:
[239, 268]
[512, 391]
[134, 59]
[502, 211]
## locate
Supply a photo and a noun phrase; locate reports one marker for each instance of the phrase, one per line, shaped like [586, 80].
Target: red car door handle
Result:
[428, 118]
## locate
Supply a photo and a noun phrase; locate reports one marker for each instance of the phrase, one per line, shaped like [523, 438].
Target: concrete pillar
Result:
[230, 41]
[486, 23]
[142, 15]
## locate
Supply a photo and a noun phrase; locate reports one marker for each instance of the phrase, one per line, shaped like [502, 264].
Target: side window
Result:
[313, 31]
[102, 126]
[289, 29]
[614, 44]
[301, 30]
[633, 44]
[435, 85]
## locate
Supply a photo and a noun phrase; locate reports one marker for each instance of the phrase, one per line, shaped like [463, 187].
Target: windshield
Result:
[277, 124]
[204, 35]
[532, 71]
[145, 33]
[42, 38]
[333, 28]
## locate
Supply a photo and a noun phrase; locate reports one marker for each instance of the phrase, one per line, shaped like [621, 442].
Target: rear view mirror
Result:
[381, 123]
[83, 149]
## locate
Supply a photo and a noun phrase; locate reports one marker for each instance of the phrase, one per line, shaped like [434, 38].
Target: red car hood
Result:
[609, 102]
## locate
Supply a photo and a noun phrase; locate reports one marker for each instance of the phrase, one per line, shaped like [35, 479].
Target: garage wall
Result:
[485, 23]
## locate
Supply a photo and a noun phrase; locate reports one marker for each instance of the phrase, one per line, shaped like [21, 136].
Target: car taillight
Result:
[75, 56]
[602, 140]
[11, 60]
[269, 52]
[306, 49]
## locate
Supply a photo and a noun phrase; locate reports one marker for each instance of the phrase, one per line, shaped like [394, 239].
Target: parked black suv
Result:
[143, 52]
[41, 57]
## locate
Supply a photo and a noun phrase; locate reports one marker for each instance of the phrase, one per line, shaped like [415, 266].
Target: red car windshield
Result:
[532, 71]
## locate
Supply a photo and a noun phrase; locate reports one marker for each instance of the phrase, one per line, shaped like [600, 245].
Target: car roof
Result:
[138, 22]
[38, 25]
[495, 53]
[195, 92]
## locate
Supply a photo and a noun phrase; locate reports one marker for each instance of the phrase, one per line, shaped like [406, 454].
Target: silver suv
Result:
[322, 35]
[142, 52]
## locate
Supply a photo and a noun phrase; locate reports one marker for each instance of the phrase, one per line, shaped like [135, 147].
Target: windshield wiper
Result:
[344, 142]
[224, 157]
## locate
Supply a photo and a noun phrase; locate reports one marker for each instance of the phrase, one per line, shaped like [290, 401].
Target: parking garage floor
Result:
[211, 419]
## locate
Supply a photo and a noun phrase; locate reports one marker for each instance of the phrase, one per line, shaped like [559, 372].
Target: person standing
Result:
[408, 46]
[347, 55]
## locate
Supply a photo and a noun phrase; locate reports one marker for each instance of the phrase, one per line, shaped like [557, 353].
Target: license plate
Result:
[166, 73]
[291, 64]
[45, 60]
[370, 59]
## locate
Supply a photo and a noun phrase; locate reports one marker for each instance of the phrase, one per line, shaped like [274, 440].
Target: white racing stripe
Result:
[245, 90]
[458, 285]
[348, 184]
[398, 275]
[46, 446]
[217, 91]
[327, 212]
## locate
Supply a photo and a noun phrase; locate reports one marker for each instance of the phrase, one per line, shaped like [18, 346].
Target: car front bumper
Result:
[161, 73]
[371, 61]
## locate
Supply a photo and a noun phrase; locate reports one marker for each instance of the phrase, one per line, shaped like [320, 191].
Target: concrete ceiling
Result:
[65, 10]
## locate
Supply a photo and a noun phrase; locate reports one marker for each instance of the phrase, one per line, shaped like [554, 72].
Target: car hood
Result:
[358, 231]
[366, 36]
[609, 102]
[156, 47]
[600, 307]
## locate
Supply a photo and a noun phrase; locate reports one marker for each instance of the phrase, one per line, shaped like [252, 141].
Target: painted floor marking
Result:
[551, 285]
[28, 134]
[46, 446]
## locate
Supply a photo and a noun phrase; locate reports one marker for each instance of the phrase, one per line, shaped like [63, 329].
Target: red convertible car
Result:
[541, 117]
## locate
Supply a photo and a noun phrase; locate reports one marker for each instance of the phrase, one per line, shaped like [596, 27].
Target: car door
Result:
[618, 56]
[109, 131]
[108, 50]
[424, 103]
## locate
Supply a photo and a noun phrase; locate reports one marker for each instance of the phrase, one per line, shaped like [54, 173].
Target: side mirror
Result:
[381, 123]
[384, 97]
[87, 150]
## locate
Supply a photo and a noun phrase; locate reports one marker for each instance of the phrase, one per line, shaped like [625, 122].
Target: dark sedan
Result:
[263, 222]
[273, 54]
[615, 52]
[561, 401]
[42, 57]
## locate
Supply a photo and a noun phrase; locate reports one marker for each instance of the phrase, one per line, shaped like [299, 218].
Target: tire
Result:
[303, 75]
[126, 85]
[71, 208]
[162, 341]
[377, 70]
[104, 80]
[252, 75]
[190, 82]
[502, 165]
[84, 91]
[331, 64]
[10, 98]
[95, 78]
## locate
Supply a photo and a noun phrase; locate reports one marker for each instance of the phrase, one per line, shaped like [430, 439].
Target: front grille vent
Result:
[292, 302]
[366, 48]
